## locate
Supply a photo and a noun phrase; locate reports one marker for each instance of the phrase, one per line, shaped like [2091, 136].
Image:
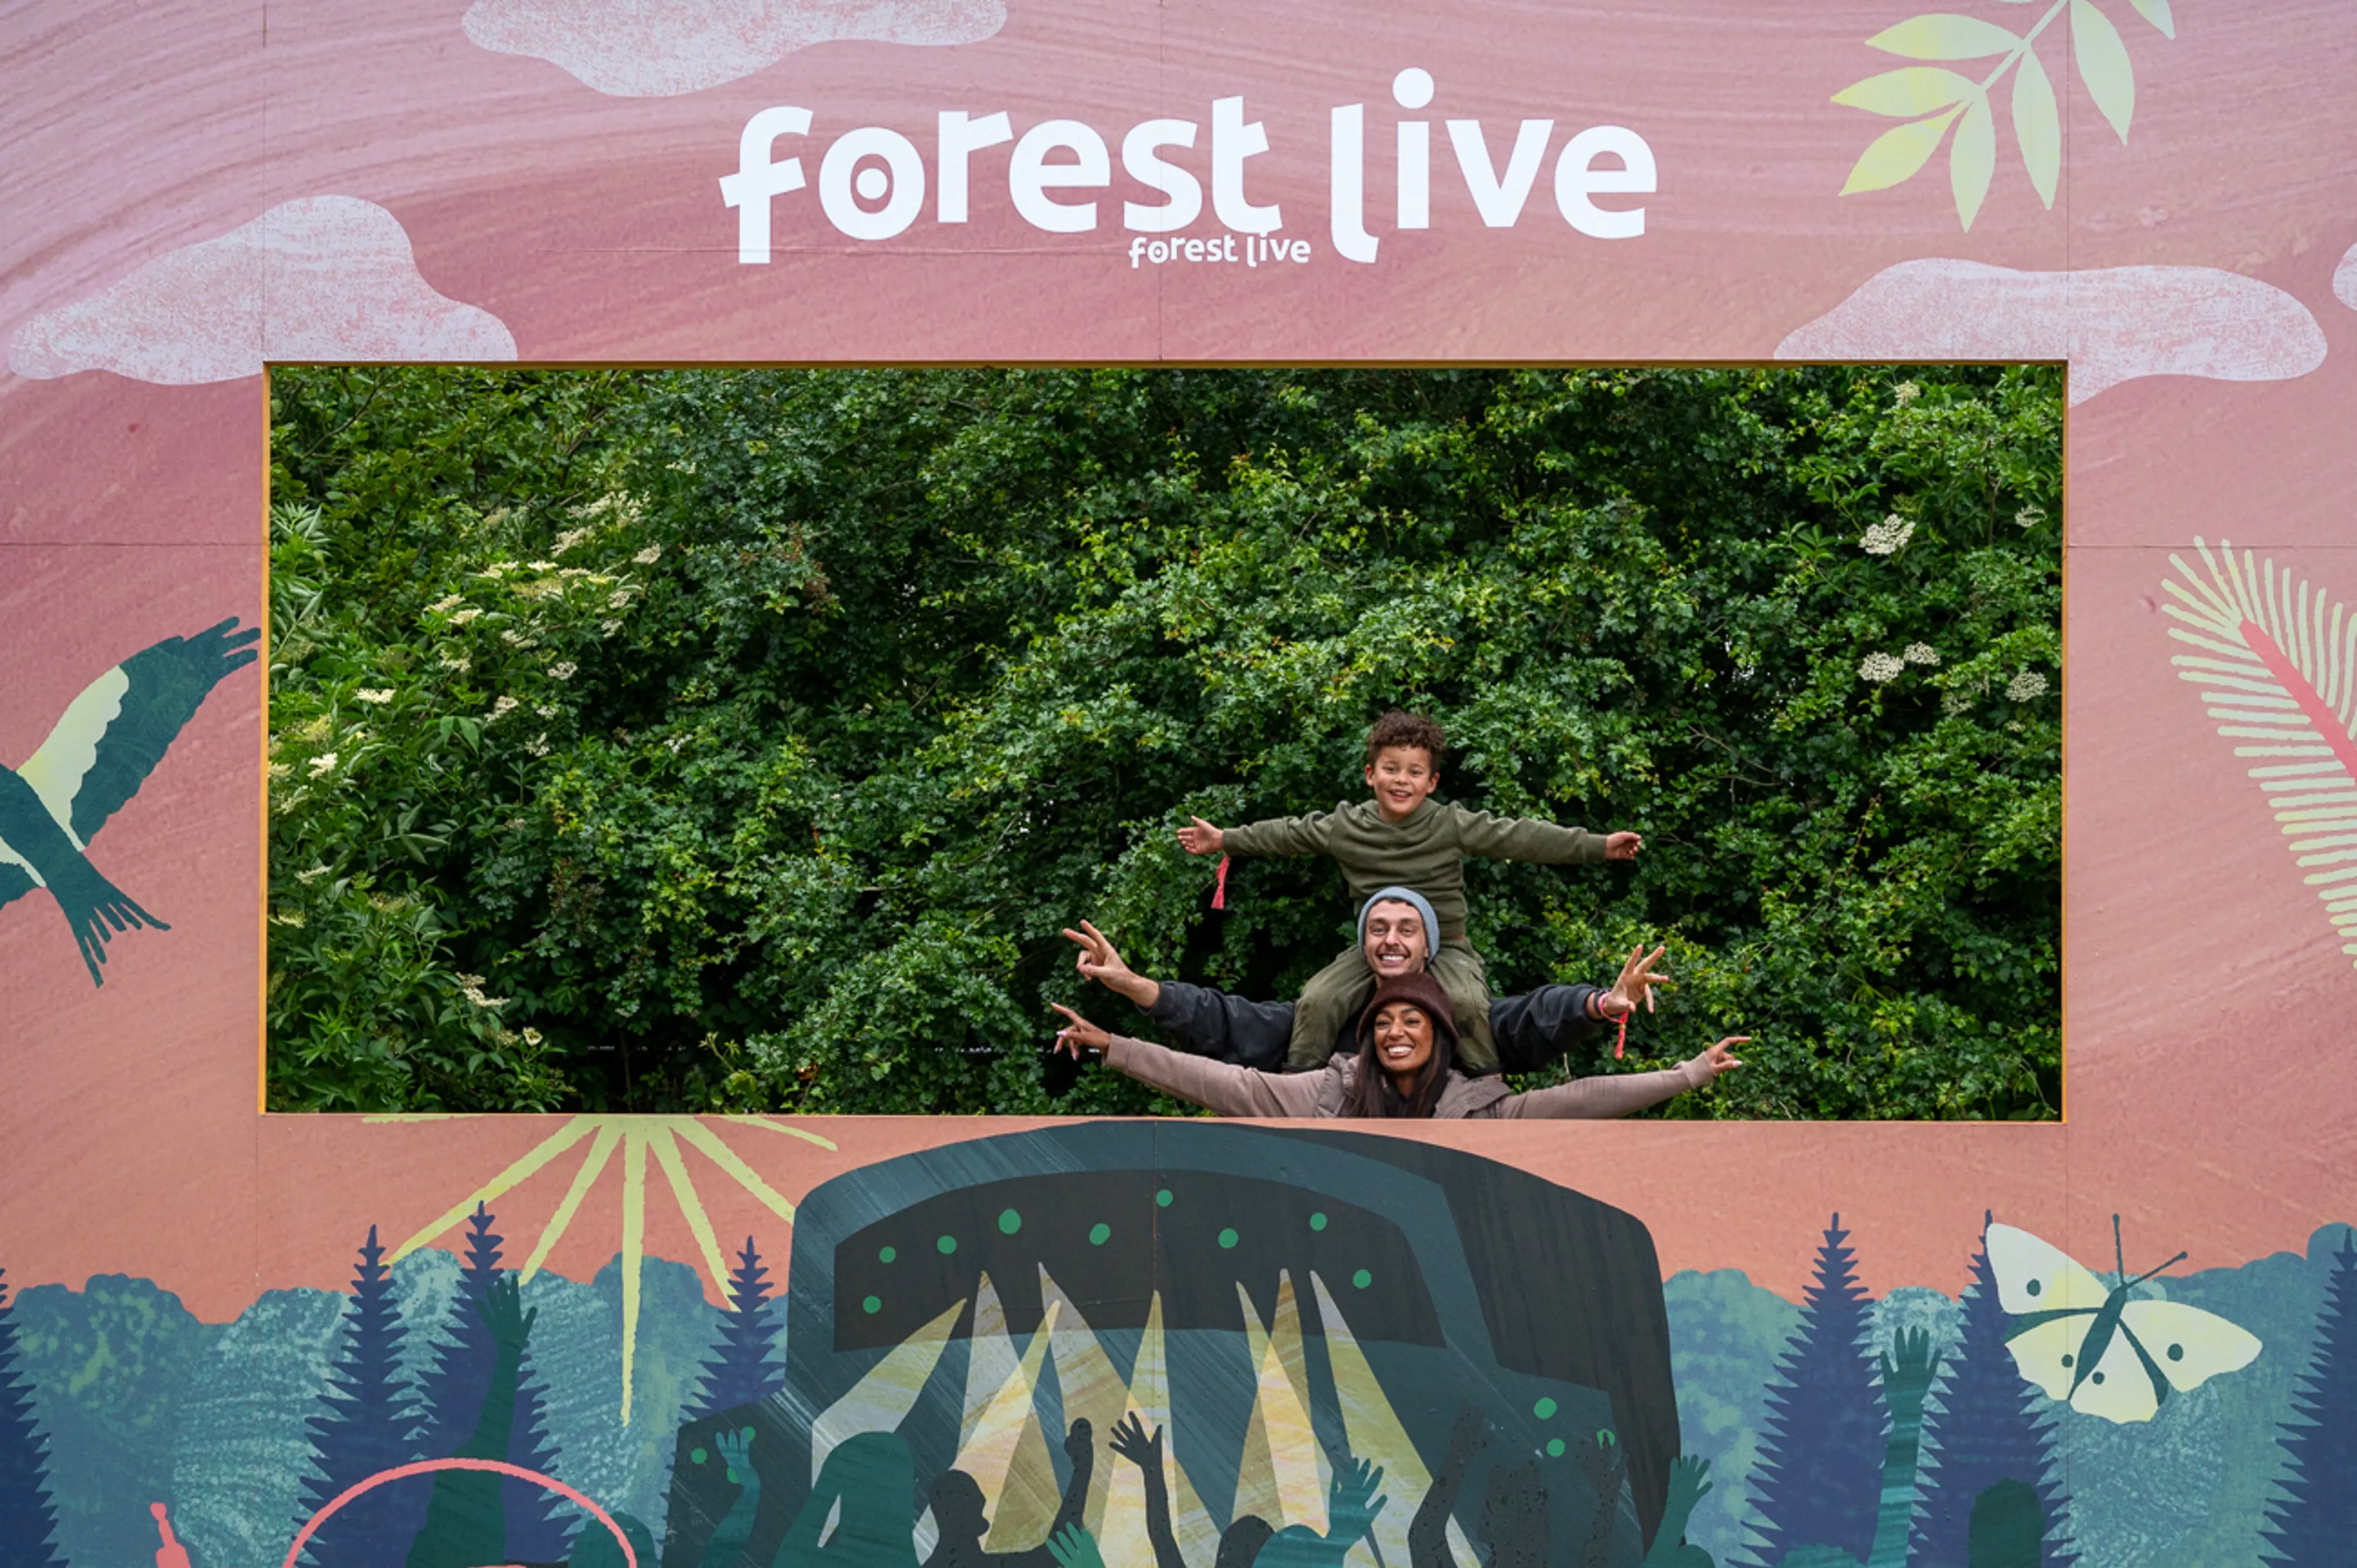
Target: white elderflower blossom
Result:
[281, 770]
[568, 539]
[1878, 668]
[1920, 653]
[378, 695]
[620, 599]
[463, 616]
[471, 986]
[539, 746]
[544, 565]
[562, 670]
[288, 917]
[444, 605]
[608, 627]
[1905, 393]
[571, 571]
[648, 557]
[531, 1037]
[518, 639]
[2024, 687]
[309, 877]
[2029, 517]
[495, 573]
[323, 764]
[1886, 537]
[546, 710]
[501, 708]
[458, 661]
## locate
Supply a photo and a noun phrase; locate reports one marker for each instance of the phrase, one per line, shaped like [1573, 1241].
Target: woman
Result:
[1405, 1067]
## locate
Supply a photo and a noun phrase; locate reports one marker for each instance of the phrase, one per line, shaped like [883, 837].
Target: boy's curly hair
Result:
[1405, 729]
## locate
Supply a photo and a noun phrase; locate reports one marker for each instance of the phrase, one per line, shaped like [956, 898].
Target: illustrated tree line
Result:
[742, 740]
[1876, 1449]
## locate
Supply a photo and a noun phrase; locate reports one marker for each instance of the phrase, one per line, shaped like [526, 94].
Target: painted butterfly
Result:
[2093, 1346]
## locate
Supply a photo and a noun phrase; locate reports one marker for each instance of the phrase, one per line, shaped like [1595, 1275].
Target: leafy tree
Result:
[538, 1522]
[1819, 1479]
[726, 740]
[367, 1423]
[743, 1368]
[1987, 1427]
[2315, 1522]
[28, 1520]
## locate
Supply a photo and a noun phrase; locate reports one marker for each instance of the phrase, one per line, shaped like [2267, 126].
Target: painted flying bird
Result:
[102, 748]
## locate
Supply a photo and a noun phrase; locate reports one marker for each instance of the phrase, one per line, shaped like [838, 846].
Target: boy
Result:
[1402, 837]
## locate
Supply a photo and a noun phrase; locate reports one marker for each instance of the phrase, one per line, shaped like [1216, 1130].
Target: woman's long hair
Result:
[1375, 1094]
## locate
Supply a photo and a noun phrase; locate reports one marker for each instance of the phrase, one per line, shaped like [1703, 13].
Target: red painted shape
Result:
[2287, 676]
[426, 1467]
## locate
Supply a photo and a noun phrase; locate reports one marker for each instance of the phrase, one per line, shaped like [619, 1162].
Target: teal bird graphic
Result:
[99, 753]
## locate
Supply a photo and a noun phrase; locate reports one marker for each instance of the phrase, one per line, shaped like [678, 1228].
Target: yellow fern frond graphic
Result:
[2277, 662]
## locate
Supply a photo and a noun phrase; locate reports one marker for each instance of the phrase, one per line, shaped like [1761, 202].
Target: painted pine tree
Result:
[1819, 1480]
[1986, 1428]
[2315, 1520]
[741, 1369]
[539, 1523]
[368, 1423]
[28, 1518]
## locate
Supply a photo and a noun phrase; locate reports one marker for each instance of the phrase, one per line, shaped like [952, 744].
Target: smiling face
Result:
[1395, 942]
[1403, 1039]
[1401, 777]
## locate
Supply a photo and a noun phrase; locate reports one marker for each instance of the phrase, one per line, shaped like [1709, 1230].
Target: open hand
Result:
[1622, 846]
[1635, 985]
[1097, 959]
[1200, 837]
[501, 1308]
[1352, 1503]
[1079, 1032]
[1074, 1547]
[736, 1450]
[1718, 1058]
[1129, 1441]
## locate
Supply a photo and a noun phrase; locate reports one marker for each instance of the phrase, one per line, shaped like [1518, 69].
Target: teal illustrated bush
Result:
[732, 740]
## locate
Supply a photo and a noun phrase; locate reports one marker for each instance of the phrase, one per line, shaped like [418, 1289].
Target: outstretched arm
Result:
[736, 1527]
[1428, 1533]
[1080, 1448]
[1617, 1094]
[464, 1520]
[1218, 1086]
[1129, 1441]
[1908, 1368]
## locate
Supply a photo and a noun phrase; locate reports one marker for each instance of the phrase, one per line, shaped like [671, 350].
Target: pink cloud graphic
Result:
[2344, 279]
[654, 48]
[326, 278]
[2114, 324]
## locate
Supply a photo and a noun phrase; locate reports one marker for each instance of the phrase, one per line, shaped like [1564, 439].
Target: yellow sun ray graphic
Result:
[637, 1137]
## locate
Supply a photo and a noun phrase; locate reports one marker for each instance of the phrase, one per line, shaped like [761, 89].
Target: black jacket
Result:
[1532, 1030]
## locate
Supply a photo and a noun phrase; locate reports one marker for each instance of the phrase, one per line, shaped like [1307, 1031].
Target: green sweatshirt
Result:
[1425, 850]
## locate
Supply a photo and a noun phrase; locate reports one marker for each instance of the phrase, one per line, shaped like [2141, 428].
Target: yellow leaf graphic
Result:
[2104, 64]
[1972, 159]
[2037, 125]
[2157, 13]
[1944, 36]
[1897, 154]
[1906, 92]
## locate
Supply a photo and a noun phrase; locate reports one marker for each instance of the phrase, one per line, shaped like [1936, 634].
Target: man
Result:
[1394, 934]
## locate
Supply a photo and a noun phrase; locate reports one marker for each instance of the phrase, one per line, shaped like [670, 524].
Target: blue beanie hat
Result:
[1404, 895]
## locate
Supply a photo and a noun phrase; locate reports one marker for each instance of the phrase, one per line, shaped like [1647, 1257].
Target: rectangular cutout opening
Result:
[745, 739]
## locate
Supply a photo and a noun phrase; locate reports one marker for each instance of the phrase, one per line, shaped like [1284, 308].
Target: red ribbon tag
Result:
[1623, 1043]
[1219, 893]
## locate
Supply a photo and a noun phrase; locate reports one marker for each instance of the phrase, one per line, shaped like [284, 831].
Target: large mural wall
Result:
[229, 1339]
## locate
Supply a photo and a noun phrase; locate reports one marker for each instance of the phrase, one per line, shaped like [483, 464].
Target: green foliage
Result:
[753, 734]
[1947, 98]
